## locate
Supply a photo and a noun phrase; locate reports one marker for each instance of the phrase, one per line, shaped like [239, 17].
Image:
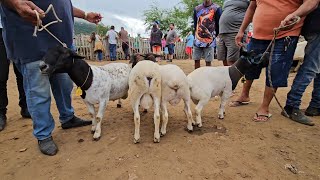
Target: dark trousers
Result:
[4, 75]
[125, 48]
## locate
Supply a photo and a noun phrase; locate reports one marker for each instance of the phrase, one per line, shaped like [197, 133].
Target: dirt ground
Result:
[233, 148]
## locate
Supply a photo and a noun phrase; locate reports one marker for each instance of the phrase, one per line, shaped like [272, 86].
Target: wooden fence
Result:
[85, 48]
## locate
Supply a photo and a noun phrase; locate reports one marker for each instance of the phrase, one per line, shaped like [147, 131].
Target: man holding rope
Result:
[267, 15]
[18, 19]
[309, 70]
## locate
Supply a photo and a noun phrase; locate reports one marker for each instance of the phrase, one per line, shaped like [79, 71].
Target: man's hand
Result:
[94, 17]
[239, 39]
[26, 10]
[290, 19]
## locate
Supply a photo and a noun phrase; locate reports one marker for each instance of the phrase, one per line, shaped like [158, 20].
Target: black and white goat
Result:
[100, 84]
[208, 82]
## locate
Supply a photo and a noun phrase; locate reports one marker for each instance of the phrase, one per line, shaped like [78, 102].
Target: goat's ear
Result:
[75, 55]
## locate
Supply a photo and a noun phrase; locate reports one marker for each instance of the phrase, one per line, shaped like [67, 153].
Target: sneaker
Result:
[75, 122]
[170, 60]
[3, 121]
[298, 116]
[25, 113]
[311, 111]
[48, 147]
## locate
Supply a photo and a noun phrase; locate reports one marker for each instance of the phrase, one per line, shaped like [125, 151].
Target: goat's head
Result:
[58, 60]
[135, 58]
[254, 58]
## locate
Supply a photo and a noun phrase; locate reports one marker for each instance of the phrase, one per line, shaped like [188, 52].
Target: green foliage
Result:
[181, 15]
[82, 27]
[102, 30]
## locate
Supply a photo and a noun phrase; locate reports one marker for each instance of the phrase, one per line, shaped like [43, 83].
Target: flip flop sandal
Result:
[238, 103]
[265, 117]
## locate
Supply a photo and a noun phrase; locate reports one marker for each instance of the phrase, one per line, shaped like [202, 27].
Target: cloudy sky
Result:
[126, 13]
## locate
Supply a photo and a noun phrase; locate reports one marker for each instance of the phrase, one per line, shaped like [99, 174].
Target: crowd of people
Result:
[224, 27]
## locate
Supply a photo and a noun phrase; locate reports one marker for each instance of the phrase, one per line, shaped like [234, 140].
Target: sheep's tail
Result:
[146, 101]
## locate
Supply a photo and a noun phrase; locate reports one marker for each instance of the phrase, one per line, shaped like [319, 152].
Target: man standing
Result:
[309, 70]
[112, 37]
[4, 75]
[18, 19]
[155, 41]
[172, 38]
[266, 16]
[123, 35]
[230, 22]
[206, 23]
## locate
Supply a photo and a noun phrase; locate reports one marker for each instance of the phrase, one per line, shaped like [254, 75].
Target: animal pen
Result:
[142, 45]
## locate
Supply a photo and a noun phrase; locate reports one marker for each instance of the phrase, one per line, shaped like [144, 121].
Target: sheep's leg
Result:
[101, 111]
[135, 108]
[165, 117]
[93, 116]
[224, 98]
[119, 104]
[187, 111]
[199, 108]
[156, 118]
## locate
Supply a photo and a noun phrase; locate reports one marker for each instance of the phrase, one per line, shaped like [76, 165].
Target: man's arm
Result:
[246, 21]
[91, 17]
[307, 7]
[26, 9]
[195, 20]
[217, 19]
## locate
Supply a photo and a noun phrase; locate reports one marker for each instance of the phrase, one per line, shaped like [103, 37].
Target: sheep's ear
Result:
[75, 55]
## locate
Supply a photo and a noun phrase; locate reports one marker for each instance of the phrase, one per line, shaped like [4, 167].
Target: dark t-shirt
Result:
[21, 46]
[312, 23]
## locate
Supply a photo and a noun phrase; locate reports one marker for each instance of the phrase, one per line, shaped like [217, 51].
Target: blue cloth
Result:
[99, 55]
[190, 40]
[206, 24]
[0, 22]
[37, 89]
[309, 70]
[21, 46]
[113, 52]
[171, 49]
[281, 60]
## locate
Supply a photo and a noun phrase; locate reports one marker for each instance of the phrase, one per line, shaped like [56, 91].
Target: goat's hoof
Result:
[119, 106]
[221, 117]
[96, 138]
[156, 140]
[92, 131]
[199, 125]
[136, 141]
[189, 130]
[162, 134]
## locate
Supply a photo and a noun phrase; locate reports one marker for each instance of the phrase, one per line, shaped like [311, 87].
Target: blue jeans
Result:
[113, 51]
[99, 55]
[309, 70]
[37, 89]
[281, 60]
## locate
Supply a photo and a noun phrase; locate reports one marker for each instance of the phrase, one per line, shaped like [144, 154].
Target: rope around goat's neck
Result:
[40, 27]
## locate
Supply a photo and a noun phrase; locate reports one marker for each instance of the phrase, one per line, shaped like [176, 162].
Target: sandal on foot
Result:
[262, 117]
[238, 103]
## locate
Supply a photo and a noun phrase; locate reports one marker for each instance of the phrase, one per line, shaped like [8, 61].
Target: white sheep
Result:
[100, 84]
[208, 82]
[145, 88]
[174, 87]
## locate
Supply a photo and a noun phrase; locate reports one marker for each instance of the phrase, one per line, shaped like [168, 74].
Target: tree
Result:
[102, 30]
[181, 15]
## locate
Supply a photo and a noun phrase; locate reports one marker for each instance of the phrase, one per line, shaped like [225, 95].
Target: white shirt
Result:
[112, 37]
